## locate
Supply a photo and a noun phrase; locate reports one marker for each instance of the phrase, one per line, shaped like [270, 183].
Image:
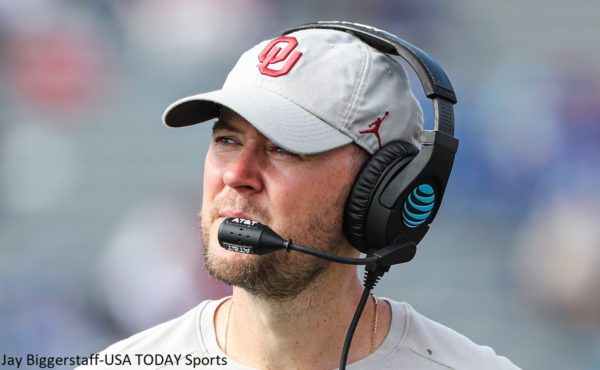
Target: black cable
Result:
[372, 275]
[357, 314]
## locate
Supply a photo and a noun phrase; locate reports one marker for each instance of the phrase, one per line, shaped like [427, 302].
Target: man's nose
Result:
[244, 170]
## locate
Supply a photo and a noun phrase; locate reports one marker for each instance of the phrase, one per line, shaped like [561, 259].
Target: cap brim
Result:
[282, 121]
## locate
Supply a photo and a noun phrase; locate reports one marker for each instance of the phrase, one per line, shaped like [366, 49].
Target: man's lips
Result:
[236, 214]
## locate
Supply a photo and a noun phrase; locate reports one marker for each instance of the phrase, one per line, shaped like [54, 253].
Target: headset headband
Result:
[434, 80]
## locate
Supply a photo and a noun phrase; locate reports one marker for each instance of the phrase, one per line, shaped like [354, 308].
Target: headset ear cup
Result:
[357, 205]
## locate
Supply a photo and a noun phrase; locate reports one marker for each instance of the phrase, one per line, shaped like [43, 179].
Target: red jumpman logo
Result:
[374, 127]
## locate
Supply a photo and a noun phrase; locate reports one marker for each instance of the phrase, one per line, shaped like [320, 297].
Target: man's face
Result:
[299, 197]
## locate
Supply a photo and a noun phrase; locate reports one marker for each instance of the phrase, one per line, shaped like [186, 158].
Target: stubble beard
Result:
[279, 275]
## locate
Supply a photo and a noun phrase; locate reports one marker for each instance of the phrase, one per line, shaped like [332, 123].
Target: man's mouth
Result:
[236, 214]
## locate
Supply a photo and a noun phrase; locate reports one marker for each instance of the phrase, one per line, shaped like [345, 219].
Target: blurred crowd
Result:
[98, 202]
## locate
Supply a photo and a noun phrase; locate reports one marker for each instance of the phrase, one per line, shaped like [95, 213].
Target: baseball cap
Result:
[311, 91]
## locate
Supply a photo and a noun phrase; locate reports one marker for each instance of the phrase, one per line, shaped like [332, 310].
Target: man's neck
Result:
[307, 331]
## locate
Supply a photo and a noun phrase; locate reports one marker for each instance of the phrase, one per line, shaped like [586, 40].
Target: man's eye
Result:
[224, 140]
[279, 150]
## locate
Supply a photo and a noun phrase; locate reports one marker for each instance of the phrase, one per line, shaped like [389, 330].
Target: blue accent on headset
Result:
[426, 208]
[418, 206]
[412, 224]
[426, 189]
[415, 216]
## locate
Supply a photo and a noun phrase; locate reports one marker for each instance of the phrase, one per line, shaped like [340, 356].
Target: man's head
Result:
[297, 116]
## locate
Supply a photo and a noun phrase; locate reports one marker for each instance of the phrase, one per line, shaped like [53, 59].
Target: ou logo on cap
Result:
[273, 54]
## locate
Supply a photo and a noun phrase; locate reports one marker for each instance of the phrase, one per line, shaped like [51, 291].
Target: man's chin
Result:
[278, 275]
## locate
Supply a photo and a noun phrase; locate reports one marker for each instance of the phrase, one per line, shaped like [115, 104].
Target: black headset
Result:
[399, 190]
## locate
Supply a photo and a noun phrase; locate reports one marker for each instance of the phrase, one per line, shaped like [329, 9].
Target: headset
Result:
[399, 190]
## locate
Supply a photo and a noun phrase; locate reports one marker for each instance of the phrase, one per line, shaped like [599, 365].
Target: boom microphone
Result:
[251, 237]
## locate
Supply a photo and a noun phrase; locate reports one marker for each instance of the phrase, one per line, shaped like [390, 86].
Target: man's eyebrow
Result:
[224, 125]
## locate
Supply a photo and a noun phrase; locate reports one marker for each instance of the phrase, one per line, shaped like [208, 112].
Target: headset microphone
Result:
[251, 237]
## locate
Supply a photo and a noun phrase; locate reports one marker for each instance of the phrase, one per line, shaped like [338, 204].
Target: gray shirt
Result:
[413, 342]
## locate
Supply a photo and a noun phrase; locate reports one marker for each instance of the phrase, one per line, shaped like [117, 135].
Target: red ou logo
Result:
[272, 54]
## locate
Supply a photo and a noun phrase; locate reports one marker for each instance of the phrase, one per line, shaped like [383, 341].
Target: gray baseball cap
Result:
[312, 91]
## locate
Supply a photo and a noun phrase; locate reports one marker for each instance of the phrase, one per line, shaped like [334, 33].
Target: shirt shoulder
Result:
[416, 342]
[441, 345]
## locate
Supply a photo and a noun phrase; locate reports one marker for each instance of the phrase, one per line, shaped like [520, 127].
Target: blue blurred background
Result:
[98, 200]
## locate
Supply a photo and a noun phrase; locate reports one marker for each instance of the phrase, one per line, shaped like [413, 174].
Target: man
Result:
[298, 116]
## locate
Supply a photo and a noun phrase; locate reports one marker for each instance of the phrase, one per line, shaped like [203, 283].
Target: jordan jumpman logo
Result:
[374, 127]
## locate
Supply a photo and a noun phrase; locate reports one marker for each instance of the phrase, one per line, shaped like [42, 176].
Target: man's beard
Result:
[280, 275]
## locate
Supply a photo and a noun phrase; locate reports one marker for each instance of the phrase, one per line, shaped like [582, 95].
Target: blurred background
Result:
[98, 200]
